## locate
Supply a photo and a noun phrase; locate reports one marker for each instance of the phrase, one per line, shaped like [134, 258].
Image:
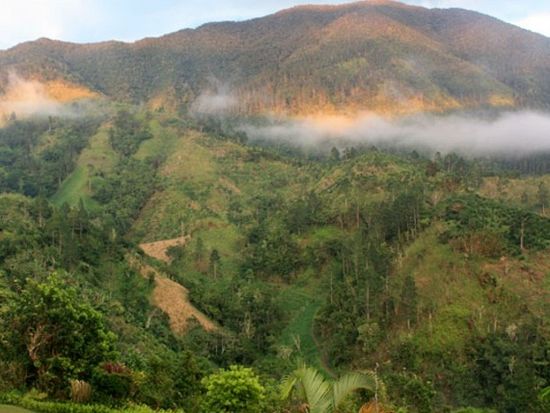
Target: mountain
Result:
[155, 259]
[372, 55]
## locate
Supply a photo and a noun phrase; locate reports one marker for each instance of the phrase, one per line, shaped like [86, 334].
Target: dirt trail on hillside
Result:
[169, 296]
[159, 249]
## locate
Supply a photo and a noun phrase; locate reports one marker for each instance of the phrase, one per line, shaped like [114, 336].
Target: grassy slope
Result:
[162, 142]
[98, 156]
[511, 190]
[298, 337]
[201, 178]
[456, 299]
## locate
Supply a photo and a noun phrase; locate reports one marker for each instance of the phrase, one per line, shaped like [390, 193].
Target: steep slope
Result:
[377, 55]
[172, 298]
[159, 249]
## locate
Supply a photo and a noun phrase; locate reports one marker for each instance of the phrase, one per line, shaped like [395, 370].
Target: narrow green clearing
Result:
[97, 157]
[73, 188]
[298, 334]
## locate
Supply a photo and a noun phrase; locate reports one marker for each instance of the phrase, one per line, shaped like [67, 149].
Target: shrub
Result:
[233, 391]
[111, 383]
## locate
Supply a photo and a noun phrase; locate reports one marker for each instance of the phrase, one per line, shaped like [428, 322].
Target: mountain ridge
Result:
[382, 56]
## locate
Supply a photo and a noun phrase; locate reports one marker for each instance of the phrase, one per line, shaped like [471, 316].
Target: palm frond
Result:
[287, 385]
[309, 386]
[317, 390]
[351, 382]
[545, 394]
[322, 396]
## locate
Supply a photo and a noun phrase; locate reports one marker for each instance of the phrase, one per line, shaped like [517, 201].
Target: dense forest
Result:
[351, 280]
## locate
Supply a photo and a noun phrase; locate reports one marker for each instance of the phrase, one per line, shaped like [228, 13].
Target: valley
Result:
[330, 209]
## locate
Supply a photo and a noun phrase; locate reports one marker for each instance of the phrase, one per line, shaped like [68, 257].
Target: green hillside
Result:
[433, 273]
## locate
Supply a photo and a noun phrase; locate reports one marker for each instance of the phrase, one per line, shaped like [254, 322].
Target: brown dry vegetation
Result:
[169, 296]
[67, 92]
[159, 249]
[173, 299]
[526, 278]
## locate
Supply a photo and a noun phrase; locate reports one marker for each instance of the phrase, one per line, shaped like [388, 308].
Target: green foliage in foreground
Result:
[236, 390]
[61, 336]
[4, 408]
[42, 406]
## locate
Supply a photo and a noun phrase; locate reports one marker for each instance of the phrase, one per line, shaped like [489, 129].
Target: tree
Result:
[409, 300]
[198, 253]
[233, 391]
[319, 395]
[59, 336]
[510, 369]
[525, 198]
[128, 133]
[543, 195]
[334, 154]
[214, 262]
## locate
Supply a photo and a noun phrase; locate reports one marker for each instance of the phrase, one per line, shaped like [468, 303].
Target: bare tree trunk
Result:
[522, 236]
[331, 290]
[368, 302]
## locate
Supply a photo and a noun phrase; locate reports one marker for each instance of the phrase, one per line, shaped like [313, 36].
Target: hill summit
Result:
[380, 55]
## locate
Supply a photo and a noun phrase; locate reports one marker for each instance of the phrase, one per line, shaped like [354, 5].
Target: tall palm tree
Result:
[321, 395]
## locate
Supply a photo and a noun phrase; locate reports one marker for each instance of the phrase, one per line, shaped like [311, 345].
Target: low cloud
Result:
[510, 134]
[27, 98]
[216, 102]
[30, 98]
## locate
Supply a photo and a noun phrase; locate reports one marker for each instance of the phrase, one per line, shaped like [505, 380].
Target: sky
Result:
[86, 21]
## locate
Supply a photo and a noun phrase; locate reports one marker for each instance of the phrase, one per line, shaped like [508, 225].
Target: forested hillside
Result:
[373, 55]
[431, 273]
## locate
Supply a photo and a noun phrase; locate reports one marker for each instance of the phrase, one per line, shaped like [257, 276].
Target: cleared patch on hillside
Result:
[159, 249]
[460, 295]
[202, 179]
[520, 192]
[161, 144]
[528, 279]
[173, 299]
[298, 336]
